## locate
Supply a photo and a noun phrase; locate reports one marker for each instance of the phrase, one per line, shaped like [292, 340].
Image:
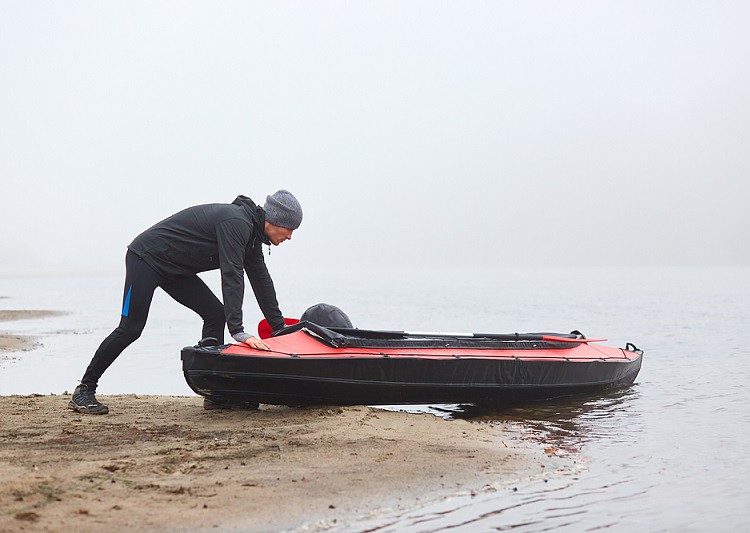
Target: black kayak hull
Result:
[383, 380]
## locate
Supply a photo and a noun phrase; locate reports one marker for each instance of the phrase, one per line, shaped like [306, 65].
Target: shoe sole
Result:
[85, 409]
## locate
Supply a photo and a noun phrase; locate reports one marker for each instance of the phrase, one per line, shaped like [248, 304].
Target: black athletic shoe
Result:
[84, 401]
[219, 403]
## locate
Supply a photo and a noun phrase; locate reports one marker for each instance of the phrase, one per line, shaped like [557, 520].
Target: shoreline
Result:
[11, 342]
[163, 462]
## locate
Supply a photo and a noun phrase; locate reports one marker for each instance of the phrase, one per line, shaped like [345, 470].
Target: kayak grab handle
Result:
[629, 346]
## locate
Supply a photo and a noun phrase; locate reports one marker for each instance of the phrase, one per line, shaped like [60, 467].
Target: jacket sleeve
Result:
[263, 287]
[232, 237]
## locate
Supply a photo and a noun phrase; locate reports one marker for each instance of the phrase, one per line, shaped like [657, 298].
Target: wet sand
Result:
[10, 342]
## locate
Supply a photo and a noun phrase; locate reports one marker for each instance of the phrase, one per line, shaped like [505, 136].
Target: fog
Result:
[416, 134]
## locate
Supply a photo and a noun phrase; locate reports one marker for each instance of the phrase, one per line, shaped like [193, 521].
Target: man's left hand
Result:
[258, 344]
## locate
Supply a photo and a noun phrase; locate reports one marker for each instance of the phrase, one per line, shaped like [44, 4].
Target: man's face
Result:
[277, 234]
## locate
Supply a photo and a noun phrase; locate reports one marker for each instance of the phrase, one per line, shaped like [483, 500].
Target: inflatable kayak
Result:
[311, 364]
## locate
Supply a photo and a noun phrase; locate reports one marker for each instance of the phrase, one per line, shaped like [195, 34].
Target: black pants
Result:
[140, 283]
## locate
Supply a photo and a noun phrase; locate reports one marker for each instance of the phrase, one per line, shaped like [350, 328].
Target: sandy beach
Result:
[160, 463]
[165, 463]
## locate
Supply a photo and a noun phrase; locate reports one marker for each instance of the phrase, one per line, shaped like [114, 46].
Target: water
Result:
[669, 453]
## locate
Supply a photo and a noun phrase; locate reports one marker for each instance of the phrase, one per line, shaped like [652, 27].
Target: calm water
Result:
[667, 454]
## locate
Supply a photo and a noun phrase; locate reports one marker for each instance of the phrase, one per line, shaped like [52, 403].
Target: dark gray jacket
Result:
[210, 236]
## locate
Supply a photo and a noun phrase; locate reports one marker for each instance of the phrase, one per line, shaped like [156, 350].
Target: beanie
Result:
[282, 209]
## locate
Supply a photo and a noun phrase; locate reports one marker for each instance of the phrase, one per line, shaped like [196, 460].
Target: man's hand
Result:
[255, 342]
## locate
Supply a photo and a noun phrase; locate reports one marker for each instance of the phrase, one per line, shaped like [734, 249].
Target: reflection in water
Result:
[566, 424]
[564, 427]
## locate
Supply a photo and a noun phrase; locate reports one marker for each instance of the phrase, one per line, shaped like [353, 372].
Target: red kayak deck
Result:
[302, 345]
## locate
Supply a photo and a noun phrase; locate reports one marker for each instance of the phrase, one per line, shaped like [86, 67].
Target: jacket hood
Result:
[256, 214]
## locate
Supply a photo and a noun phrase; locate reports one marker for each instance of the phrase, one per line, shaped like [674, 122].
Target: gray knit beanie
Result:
[283, 209]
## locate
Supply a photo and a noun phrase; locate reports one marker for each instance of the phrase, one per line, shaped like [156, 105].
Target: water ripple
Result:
[652, 466]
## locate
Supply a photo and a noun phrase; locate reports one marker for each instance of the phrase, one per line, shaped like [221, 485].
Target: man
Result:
[228, 237]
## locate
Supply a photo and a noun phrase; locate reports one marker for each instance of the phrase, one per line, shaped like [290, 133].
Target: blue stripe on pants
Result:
[126, 305]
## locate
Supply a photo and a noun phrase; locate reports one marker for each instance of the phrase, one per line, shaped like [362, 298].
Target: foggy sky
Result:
[413, 133]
